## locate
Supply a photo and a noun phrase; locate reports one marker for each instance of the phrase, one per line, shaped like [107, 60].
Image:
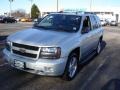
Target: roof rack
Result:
[76, 12]
[89, 13]
[72, 11]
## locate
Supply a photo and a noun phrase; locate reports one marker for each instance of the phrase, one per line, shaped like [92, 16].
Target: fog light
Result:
[48, 69]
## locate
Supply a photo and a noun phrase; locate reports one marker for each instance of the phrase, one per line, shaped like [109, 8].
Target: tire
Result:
[5, 22]
[99, 47]
[71, 69]
[15, 21]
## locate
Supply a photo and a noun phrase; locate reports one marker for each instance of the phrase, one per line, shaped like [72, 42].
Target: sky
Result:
[50, 5]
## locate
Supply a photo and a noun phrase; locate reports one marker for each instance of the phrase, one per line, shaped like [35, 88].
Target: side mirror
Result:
[36, 21]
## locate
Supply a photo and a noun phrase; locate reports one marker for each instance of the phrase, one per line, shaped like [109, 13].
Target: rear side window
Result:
[95, 22]
[98, 21]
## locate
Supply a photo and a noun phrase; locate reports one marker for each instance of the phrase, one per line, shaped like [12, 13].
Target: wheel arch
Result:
[101, 38]
[77, 51]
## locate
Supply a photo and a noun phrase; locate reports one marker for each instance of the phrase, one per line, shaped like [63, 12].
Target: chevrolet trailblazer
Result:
[55, 45]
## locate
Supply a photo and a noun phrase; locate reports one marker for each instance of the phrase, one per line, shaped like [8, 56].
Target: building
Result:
[111, 13]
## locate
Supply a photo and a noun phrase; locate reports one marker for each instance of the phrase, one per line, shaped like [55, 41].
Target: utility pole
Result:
[57, 5]
[31, 7]
[10, 7]
[90, 5]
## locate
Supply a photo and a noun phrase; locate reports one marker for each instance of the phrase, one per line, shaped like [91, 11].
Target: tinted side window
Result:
[94, 23]
[98, 21]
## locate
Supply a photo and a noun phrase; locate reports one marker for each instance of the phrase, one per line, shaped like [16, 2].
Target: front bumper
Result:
[40, 66]
[113, 24]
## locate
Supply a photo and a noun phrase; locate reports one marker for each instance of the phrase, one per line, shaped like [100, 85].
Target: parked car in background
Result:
[103, 22]
[1, 18]
[23, 20]
[18, 19]
[7, 20]
[113, 23]
[109, 20]
[26, 20]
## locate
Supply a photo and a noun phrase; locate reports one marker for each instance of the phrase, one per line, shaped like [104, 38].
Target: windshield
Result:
[60, 22]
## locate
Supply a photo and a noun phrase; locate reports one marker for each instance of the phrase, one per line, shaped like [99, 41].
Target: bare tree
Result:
[19, 13]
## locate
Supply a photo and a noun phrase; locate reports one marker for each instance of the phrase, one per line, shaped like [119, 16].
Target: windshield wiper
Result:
[57, 28]
[63, 28]
[43, 27]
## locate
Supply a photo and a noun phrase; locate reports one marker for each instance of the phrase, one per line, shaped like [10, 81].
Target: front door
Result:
[86, 37]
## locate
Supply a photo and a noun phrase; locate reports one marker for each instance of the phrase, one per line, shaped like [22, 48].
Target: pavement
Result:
[100, 73]
[6, 29]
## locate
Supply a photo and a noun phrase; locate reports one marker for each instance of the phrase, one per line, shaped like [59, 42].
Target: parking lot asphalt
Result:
[6, 29]
[101, 73]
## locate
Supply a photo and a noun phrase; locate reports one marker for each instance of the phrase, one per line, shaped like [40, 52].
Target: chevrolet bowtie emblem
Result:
[22, 50]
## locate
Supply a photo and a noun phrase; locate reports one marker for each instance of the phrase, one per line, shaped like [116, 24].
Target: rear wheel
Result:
[5, 22]
[99, 48]
[15, 21]
[72, 67]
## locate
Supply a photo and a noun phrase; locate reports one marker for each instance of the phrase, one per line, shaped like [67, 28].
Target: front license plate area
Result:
[19, 64]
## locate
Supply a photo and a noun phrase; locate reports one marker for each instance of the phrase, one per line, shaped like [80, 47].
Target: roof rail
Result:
[89, 13]
[76, 12]
[72, 12]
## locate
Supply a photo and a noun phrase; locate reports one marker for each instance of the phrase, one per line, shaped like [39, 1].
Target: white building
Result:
[103, 12]
[108, 12]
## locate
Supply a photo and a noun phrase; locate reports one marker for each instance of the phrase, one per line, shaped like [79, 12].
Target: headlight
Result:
[50, 52]
[8, 45]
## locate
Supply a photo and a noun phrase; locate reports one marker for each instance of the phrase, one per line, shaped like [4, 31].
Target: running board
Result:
[88, 58]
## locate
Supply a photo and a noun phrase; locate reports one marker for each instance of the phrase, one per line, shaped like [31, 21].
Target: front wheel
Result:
[99, 47]
[71, 67]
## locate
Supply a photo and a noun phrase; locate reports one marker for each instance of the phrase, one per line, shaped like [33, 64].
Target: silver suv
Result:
[55, 45]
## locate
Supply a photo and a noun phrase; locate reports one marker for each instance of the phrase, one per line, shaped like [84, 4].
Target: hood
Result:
[40, 37]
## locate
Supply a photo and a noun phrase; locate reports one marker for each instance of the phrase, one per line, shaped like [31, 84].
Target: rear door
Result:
[95, 25]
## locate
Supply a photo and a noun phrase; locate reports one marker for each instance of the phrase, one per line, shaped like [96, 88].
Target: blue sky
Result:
[45, 5]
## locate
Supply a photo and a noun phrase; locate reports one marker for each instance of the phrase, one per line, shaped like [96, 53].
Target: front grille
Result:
[25, 50]
[25, 46]
[25, 54]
